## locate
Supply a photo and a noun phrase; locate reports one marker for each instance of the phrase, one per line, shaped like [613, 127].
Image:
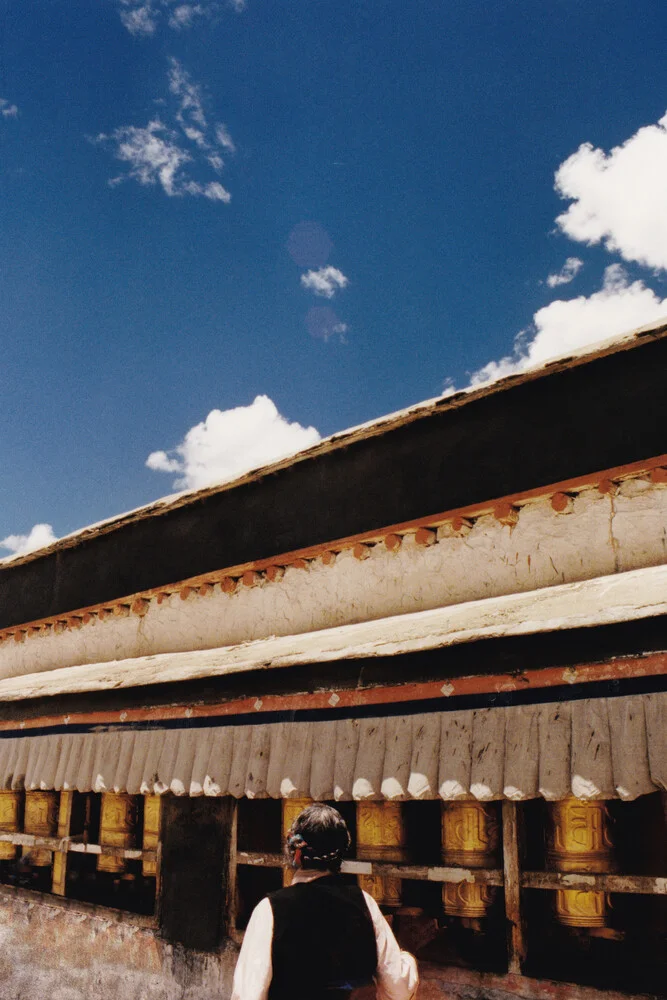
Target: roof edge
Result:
[340, 439]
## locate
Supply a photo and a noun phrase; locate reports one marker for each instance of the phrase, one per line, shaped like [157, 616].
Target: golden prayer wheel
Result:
[381, 837]
[470, 839]
[579, 841]
[291, 809]
[10, 821]
[152, 816]
[118, 820]
[40, 820]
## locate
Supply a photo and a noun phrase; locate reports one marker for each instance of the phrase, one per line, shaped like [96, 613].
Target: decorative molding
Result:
[425, 531]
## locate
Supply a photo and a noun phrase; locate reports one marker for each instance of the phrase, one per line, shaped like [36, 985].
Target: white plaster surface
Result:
[598, 536]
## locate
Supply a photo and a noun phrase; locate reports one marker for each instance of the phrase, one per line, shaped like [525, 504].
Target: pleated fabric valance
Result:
[595, 748]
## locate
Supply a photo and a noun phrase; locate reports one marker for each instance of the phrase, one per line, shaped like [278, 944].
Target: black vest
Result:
[323, 940]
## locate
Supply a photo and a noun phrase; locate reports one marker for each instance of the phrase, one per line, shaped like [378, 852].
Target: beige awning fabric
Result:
[595, 748]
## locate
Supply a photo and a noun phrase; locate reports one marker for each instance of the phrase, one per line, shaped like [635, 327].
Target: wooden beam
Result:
[516, 947]
[66, 844]
[422, 873]
[617, 669]
[644, 885]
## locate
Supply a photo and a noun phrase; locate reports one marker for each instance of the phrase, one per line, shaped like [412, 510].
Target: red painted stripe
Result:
[651, 665]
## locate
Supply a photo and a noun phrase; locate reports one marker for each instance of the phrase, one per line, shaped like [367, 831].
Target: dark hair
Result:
[318, 838]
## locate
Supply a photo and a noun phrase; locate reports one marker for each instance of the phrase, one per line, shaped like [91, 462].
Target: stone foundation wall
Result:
[53, 952]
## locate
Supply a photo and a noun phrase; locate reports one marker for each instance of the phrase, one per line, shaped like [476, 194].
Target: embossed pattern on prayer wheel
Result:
[152, 816]
[10, 821]
[463, 899]
[381, 837]
[291, 809]
[470, 839]
[40, 820]
[579, 841]
[118, 820]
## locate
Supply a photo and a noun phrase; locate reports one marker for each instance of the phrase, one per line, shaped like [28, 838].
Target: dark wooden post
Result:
[515, 933]
[231, 897]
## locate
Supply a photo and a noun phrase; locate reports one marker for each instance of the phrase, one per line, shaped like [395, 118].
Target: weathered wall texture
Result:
[595, 534]
[63, 954]
[48, 951]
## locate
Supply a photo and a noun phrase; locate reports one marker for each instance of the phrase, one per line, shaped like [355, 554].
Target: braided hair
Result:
[318, 839]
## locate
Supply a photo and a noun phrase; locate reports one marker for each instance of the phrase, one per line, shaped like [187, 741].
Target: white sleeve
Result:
[396, 977]
[252, 976]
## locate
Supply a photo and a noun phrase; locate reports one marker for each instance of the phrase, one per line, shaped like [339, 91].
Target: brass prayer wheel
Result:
[470, 839]
[40, 820]
[381, 837]
[291, 809]
[579, 841]
[118, 820]
[152, 816]
[10, 821]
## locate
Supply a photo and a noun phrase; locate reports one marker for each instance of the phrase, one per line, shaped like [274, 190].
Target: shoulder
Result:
[262, 911]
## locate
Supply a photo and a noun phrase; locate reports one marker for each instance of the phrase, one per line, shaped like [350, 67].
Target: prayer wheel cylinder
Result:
[579, 841]
[291, 809]
[40, 820]
[470, 839]
[10, 821]
[381, 837]
[118, 821]
[152, 817]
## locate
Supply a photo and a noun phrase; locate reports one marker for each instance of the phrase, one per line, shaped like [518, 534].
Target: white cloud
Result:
[38, 537]
[185, 15]
[620, 199]
[143, 17]
[191, 108]
[325, 282]
[567, 325]
[153, 155]
[568, 271]
[8, 110]
[224, 139]
[230, 442]
[139, 19]
[159, 152]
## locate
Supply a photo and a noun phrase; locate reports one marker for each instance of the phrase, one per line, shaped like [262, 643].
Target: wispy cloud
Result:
[230, 442]
[619, 199]
[139, 19]
[166, 153]
[325, 282]
[144, 17]
[567, 273]
[8, 110]
[39, 536]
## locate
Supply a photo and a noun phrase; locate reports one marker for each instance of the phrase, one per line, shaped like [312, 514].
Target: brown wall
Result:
[53, 952]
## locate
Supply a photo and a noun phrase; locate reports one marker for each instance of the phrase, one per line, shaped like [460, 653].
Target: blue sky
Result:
[342, 207]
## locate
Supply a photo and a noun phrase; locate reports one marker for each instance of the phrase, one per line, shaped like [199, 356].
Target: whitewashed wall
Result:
[598, 534]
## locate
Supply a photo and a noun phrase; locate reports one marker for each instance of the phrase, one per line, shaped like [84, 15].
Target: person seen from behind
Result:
[319, 938]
